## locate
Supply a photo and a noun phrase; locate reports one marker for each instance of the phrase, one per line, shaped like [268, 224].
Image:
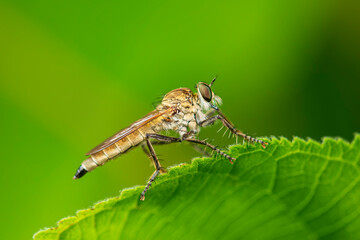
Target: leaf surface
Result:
[290, 190]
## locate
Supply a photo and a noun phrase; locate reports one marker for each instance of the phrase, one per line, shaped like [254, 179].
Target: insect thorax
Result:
[187, 114]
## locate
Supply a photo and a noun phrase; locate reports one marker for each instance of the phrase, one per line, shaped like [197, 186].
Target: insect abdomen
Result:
[114, 150]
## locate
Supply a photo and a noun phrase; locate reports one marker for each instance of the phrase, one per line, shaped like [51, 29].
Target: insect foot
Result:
[231, 159]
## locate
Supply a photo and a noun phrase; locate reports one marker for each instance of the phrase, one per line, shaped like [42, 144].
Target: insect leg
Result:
[152, 178]
[163, 138]
[157, 168]
[214, 148]
[146, 151]
[209, 121]
[232, 128]
[157, 165]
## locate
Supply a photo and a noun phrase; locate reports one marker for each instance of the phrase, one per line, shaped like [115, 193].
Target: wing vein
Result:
[129, 130]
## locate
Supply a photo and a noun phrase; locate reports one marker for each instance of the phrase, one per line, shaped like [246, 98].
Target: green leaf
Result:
[290, 190]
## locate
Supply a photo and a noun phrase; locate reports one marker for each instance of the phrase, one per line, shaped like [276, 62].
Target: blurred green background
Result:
[72, 73]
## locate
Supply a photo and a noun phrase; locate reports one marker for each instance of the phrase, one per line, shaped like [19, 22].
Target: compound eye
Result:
[205, 92]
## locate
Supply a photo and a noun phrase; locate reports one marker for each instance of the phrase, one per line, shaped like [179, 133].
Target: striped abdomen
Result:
[122, 145]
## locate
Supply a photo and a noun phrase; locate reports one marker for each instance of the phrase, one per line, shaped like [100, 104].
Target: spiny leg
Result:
[200, 150]
[192, 140]
[157, 165]
[157, 169]
[232, 128]
[146, 151]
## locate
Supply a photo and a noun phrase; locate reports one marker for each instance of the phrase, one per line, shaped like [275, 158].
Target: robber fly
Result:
[180, 110]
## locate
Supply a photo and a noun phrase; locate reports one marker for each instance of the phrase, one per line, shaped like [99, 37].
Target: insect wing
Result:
[126, 131]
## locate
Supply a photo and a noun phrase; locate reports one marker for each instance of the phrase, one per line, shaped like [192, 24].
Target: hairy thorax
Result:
[187, 114]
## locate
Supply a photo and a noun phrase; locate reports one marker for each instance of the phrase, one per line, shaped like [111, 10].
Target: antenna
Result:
[212, 82]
